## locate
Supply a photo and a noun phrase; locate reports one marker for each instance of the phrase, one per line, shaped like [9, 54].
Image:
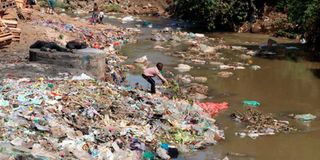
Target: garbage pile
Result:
[96, 39]
[259, 124]
[83, 118]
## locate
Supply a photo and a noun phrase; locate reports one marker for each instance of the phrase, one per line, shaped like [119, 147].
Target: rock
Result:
[57, 132]
[251, 53]
[200, 79]
[223, 67]
[198, 96]
[224, 74]
[167, 29]
[216, 63]
[159, 47]
[127, 19]
[143, 59]
[206, 49]
[185, 80]
[94, 64]
[198, 61]
[256, 28]
[197, 88]
[158, 37]
[175, 38]
[183, 68]
[255, 67]
[198, 35]
[238, 48]
[245, 57]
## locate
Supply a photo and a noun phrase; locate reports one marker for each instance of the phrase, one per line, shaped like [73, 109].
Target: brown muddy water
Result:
[282, 86]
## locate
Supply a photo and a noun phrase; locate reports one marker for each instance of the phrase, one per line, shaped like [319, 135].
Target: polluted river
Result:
[283, 86]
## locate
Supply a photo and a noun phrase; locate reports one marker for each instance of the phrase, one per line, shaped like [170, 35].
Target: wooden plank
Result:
[5, 35]
[6, 38]
[15, 29]
[12, 22]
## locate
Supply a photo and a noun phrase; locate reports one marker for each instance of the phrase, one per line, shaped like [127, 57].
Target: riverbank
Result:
[53, 111]
[264, 84]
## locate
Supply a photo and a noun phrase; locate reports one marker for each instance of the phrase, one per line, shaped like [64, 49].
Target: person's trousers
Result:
[151, 81]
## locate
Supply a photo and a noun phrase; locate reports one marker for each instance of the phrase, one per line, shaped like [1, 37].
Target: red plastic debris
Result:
[213, 108]
[54, 94]
[96, 46]
[116, 43]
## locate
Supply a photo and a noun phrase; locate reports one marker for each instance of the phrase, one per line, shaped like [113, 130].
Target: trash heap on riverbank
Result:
[99, 39]
[86, 119]
[259, 124]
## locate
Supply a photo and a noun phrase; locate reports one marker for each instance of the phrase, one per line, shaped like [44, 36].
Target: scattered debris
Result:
[305, 117]
[259, 124]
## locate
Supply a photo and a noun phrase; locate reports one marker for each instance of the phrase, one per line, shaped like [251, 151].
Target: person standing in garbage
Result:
[152, 72]
[95, 13]
[51, 5]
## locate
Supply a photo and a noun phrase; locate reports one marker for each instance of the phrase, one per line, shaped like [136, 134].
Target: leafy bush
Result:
[306, 14]
[227, 14]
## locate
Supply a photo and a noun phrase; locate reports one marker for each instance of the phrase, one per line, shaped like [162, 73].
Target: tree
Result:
[215, 14]
[306, 14]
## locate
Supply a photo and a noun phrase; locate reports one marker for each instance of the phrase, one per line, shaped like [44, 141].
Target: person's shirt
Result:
[95, 8]
[154, 71]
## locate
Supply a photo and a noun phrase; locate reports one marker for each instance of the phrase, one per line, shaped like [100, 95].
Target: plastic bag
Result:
[213, 108]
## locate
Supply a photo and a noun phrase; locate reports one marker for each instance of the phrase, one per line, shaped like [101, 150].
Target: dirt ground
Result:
[14, 57]
[141, 7]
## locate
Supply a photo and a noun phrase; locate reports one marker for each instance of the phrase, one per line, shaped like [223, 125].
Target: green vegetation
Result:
[282, 33]
[306, 14]
[230, 14]
[112, 8]
[215, 14]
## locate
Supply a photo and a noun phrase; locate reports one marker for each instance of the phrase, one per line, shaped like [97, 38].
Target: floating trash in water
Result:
[260, 124]
[251, 103]
[305, 117]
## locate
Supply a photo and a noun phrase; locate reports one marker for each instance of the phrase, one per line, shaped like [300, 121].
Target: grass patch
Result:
[112, 8]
